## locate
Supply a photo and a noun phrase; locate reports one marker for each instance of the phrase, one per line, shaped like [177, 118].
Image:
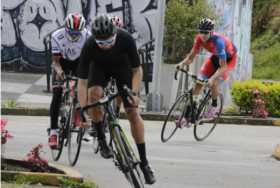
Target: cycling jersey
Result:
[217, 44]
[68, 49]
[121, 57]
[98, 65]
[221, 47]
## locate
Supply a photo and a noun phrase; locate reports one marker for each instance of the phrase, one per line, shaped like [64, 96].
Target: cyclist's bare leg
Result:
[196, 90]
[119, 101]
[215, 89]
[97, 113]
[137, 129]
[136, 125]
[94, 94]
[54, 109]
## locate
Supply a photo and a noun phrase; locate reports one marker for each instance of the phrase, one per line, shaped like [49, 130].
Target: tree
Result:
[265, 15]
[181, 20]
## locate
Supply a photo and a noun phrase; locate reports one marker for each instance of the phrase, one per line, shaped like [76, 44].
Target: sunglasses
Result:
[106, 42]
[204, 32]
[74, 33]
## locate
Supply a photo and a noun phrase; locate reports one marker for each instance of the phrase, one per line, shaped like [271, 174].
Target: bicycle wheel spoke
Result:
[127, 160]
[56, 153]
[75, 136]
[206, 123]
[175, 118]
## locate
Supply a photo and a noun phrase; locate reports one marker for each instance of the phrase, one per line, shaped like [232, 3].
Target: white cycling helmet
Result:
[117, 21]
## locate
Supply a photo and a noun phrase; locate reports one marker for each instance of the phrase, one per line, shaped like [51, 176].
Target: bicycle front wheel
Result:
[75, 136]
[62, 126]
[174, 117]
[127, 159]
[204, 126]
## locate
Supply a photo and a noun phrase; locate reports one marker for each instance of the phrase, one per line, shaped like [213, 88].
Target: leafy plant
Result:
[10, 104]
[269, 92]
[259, 109]
[36, 160]
[21, 179]
[5, 134]
[28, 179]
[69, 183]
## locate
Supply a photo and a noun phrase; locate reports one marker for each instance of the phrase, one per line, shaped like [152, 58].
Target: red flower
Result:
[34, 157]
[5, 135]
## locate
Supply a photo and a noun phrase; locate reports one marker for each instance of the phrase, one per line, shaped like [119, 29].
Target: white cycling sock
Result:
[54, 131]
[195, 98]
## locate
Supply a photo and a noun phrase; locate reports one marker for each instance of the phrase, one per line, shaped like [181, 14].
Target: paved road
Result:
[234, 156]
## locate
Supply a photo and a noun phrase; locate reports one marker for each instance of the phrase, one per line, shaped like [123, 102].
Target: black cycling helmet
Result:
[206, 24]
[103, 27]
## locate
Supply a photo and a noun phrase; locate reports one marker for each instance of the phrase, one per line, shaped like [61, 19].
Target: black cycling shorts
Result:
[100, 77]
[69, 67]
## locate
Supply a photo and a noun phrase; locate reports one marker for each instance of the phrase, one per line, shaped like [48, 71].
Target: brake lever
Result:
[176, 73]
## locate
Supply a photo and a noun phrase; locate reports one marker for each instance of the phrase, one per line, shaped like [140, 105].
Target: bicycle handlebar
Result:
[69, 77]
[105, 100]
[193, 76]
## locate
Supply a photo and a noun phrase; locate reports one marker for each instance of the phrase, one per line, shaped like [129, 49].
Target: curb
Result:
[276, 153]
[51, 179]
[153, 116]
[25, 111]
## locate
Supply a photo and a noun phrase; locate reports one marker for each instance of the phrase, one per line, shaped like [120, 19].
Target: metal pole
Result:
[155, 98]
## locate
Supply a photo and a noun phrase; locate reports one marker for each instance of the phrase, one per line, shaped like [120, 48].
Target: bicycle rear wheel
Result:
[174, 117]
[127, 159]
[204, 126]
[75, 136]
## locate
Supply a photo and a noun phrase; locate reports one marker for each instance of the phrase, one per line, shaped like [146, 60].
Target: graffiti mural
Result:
[26, 23]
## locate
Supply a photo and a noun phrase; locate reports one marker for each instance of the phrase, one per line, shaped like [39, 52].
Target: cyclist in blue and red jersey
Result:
[218, 65]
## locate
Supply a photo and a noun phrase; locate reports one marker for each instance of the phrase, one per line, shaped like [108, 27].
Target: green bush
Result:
[270, 92]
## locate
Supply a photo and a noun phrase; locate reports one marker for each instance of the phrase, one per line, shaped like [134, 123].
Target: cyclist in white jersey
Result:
[66, 46]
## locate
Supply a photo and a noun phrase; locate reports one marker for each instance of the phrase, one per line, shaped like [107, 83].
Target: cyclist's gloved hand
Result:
[180, 65]
[60, 74]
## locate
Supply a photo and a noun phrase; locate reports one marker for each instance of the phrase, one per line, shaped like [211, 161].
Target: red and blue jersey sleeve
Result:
[197, 44]
[218, 45]
[220, 49]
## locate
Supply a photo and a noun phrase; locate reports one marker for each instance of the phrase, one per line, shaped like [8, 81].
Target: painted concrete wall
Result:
[25, 24]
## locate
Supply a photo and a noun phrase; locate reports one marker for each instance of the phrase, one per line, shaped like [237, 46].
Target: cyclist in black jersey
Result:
[112, 52]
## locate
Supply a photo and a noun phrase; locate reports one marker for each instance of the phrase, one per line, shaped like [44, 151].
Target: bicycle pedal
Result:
[206, 120]
[125, 169]
[86, 139]
[136, 163]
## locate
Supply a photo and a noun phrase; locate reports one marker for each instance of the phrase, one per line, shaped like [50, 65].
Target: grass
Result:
[266, 59]
[10, 104]
[14, 185]
[29, 182]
